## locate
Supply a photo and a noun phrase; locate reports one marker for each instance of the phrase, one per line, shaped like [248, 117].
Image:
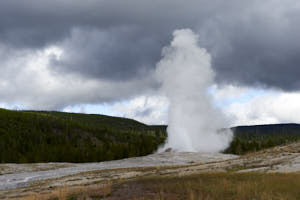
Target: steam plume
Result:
[186, 74]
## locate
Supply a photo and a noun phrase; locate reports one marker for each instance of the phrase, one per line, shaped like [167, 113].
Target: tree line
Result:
[30, 137]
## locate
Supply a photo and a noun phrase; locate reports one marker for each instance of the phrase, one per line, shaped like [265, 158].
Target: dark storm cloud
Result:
[104, 39]
[117, 54]
[255, 43]
[260, 50]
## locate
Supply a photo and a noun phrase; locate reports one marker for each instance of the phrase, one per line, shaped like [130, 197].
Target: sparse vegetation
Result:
[73, 193]
[214, 186]
[207, 186]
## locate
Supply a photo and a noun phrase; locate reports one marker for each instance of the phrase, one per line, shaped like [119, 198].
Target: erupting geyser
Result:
[186, 74]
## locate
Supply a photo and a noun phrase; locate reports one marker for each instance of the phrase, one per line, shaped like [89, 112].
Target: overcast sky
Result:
[100, 55]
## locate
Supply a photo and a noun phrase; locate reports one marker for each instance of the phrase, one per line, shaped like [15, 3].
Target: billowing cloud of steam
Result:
[186, 74]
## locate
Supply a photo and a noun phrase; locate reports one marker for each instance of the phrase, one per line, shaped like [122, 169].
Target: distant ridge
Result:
[256, 137]
[280, 124]
[48, 136]
[286, 128]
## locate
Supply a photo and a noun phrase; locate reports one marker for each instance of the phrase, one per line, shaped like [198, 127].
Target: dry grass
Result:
[207, 186]
[74, 193]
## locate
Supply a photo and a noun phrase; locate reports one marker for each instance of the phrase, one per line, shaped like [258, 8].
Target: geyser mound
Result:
[185, 73]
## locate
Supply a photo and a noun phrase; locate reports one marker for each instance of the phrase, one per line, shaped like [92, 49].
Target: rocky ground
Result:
[17, 181]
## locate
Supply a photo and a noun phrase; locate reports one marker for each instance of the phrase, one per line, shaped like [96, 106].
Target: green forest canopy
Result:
[47, 136]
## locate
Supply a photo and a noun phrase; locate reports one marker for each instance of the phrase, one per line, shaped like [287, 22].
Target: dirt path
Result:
[26, 174]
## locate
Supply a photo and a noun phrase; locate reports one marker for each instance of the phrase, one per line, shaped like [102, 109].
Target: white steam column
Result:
[185, 73]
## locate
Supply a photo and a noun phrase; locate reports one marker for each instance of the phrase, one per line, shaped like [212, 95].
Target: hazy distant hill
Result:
[40, 136]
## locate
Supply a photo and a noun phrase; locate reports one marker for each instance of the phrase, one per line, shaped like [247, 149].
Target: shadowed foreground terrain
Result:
[211, 186]
[225, 186]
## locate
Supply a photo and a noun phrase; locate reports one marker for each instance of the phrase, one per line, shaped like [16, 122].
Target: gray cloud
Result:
[253, 43]
[28, 81]
[116, 54]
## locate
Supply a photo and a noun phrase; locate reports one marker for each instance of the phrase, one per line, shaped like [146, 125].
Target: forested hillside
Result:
[254, 138]
[44, 136]
[30, 136]
[257, 137]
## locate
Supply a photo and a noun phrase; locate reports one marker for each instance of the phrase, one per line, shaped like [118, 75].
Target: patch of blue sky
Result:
[12, 106]
[104, 109]
[245, 97]
[242, 98]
